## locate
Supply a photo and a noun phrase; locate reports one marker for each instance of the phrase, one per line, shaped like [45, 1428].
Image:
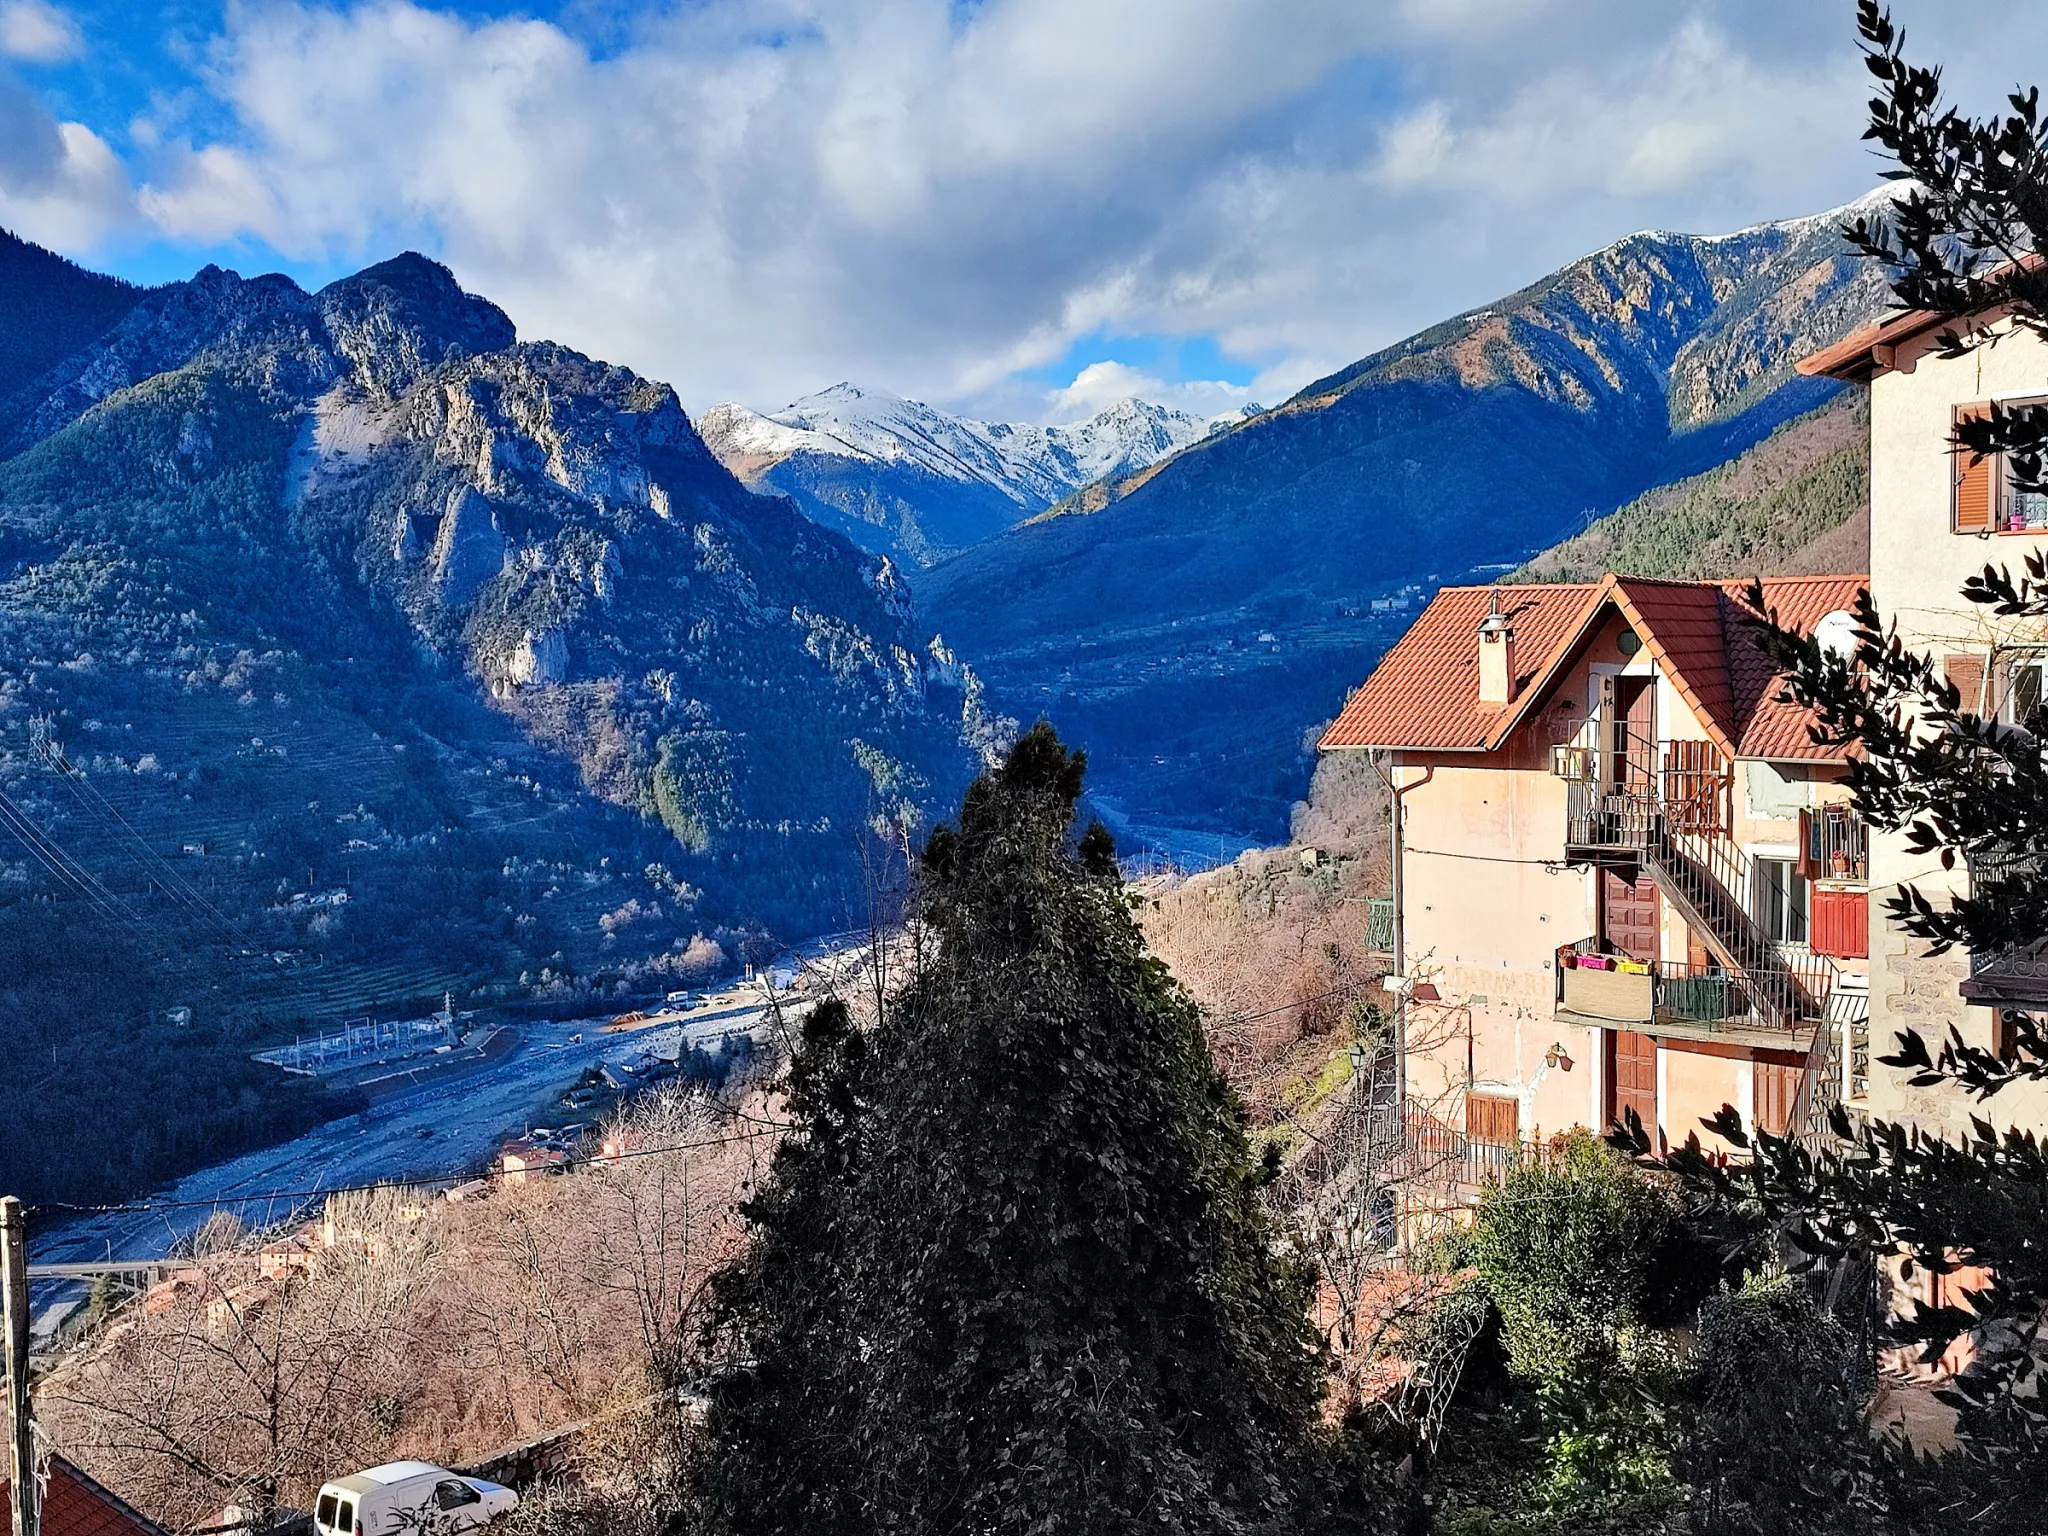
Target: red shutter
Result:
[1972, 481]
[1841, 924]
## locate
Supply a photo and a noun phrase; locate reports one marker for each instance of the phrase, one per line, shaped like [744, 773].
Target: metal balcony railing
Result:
[1837, 844]
[1440, 1154]
[1616, 988]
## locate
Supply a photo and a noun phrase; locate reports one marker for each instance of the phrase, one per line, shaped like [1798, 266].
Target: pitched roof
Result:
[1770, 728]
[1425, 691]
[1861, 355]
[1424, 695]
[77, 1505]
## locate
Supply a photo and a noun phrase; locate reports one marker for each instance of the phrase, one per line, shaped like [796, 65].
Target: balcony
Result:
[1595, 986]
[1837, 845]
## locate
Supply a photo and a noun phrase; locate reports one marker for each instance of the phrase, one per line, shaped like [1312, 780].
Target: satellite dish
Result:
[1836, 633]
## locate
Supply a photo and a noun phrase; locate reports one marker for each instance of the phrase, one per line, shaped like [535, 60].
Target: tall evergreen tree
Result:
[1012, 1271]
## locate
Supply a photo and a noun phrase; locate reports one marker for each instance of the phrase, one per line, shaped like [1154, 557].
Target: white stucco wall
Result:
[1917, 569]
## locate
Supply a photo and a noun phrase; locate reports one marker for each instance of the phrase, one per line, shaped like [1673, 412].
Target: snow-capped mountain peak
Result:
[1030, 464]
[925, 454]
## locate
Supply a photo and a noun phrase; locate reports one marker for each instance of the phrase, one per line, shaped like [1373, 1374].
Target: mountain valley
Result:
[354, 652]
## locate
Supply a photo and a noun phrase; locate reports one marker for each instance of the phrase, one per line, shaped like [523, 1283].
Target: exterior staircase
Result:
[1703, 875]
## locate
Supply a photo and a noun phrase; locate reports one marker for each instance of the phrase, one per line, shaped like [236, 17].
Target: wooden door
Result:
[1632, 1079]
[1628, 914]
[1635, 743]
[1777, 1087]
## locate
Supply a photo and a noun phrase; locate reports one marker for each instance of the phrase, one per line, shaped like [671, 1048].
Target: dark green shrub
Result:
[1564, 1247]
[1774, 1392]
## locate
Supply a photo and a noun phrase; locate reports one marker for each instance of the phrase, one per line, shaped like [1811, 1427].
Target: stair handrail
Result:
[1622, 804]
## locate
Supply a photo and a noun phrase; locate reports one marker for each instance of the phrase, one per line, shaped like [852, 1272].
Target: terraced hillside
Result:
[351, 651]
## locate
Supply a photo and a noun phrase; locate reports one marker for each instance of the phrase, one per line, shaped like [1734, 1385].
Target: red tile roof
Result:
[1424, 695]
[76, 1505]
[1425, 691]
[1769, 728]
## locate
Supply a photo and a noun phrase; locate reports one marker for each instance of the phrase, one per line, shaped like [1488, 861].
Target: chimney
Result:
[1496, 656]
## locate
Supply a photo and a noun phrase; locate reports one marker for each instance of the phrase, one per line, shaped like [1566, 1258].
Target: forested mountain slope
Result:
[53, 307]
[426, 659]
[1798, 502]
[1186, 623]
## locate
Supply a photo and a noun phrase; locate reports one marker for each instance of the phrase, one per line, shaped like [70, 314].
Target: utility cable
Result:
[173, 882]
[52, 856]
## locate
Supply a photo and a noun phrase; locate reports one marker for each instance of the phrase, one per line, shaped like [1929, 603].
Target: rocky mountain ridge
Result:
[437, 660]
[901, 478]
[1278, 555]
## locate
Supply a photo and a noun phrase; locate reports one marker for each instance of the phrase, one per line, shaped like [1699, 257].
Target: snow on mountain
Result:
[904, 479]
[1033, 466]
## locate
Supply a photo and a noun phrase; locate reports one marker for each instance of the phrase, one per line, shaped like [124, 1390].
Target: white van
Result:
[407, 1496]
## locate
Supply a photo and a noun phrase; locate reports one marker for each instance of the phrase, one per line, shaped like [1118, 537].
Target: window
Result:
[2021, 689]
[453, 1494]
[323, 1512]
[346, 1520]
[1985, 500]
[1493, 1120]
[1781, 900]
[2022, 509]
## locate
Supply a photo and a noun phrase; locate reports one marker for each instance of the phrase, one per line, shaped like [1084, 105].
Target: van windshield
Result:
[323, 1512]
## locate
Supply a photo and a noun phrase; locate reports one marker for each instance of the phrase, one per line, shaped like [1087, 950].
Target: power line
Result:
[51, 855]
[1553, 865]
[171, 880]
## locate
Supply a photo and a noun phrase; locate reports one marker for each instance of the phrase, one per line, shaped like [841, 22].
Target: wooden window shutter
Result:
[1973, 481]
[1967, 674]
[1809, 863]
[1493, 1120]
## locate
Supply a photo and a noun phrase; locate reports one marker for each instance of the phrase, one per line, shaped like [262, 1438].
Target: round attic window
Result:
[1628, 642]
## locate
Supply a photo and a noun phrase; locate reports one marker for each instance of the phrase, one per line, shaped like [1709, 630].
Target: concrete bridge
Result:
[139, 1273]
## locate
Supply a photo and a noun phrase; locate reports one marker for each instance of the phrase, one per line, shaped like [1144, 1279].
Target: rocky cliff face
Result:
[399, 530]
[1251, 559]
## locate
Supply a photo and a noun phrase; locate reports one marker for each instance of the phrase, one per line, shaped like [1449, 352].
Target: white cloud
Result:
[60, 184]
[1103, 384]
[37, 32]
[759, 197]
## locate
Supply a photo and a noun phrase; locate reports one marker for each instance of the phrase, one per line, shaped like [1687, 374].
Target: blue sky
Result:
[1023, 208]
